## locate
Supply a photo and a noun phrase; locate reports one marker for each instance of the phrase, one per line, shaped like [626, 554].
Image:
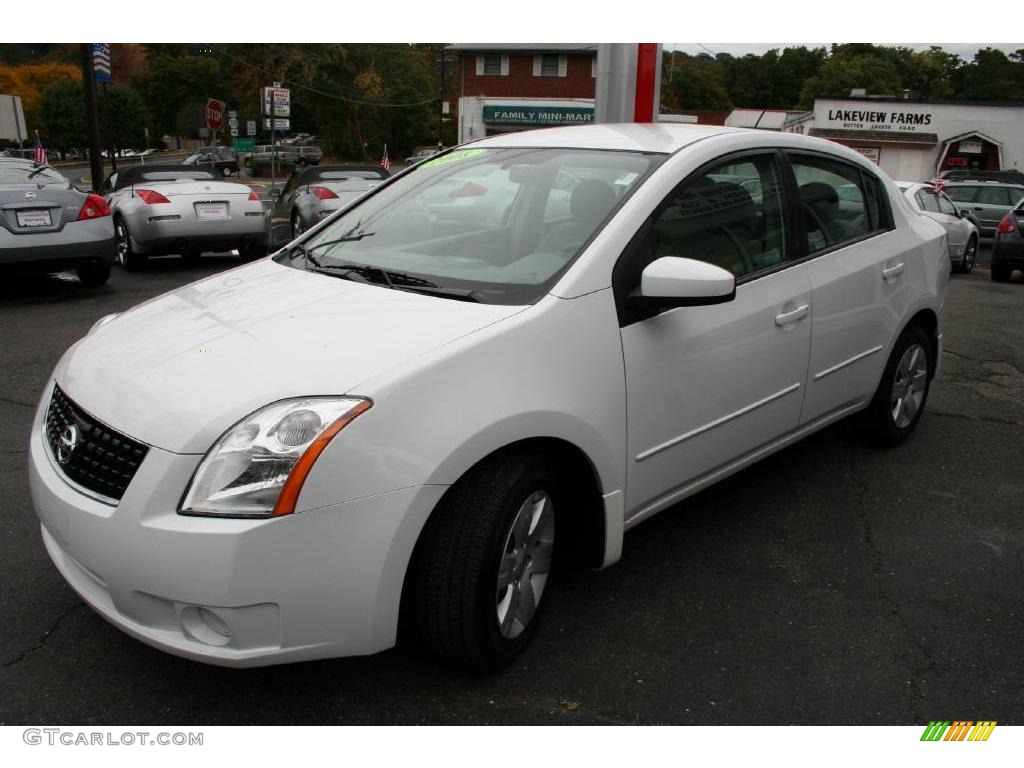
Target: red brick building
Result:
[517, 86]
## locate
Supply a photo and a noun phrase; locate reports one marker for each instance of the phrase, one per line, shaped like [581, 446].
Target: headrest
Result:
[591, 200]
[816, 192]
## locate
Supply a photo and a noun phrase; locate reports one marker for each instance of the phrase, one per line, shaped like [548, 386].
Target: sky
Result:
[966, 51]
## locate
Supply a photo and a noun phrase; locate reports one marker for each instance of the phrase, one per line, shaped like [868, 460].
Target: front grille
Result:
[98, 458]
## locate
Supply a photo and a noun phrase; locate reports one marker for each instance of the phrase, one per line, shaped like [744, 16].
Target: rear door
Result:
[856, 276]
[991, 205]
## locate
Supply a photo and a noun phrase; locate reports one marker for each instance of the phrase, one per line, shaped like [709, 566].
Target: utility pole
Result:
[92, 122]
[440, 106]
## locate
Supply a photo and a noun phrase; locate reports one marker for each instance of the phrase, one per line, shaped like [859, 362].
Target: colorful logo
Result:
[958, 730]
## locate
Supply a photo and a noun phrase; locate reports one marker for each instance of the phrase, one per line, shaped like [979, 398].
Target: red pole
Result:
[646, 68]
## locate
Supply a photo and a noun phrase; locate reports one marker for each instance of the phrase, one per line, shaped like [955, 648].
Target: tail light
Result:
[149, 197]
[95, 207]
[323, 193]
[1008, 225]
[254, 197]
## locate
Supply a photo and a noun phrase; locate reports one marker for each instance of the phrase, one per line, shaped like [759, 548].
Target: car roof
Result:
[636, 137]
[137, 173]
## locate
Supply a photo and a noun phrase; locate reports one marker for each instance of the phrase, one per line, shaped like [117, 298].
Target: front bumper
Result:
[317, 584]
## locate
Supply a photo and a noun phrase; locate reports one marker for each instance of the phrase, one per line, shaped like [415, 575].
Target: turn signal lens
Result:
[150, 197]
[95, 207]
[323, 193]
[1007, 225]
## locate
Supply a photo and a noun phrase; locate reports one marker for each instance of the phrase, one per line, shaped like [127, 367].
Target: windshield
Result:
[498, 225]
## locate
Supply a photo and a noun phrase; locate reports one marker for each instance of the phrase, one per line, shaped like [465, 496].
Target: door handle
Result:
[894, 271]
[978, 208]
[792, 315]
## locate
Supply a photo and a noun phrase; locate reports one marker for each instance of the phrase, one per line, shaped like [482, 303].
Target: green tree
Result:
[62, 111]
[849, 66]
[992, 76]
[693, 82]
[122, 117]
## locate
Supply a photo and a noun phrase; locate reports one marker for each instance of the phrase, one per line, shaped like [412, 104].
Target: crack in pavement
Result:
[916, 688]
[12, 401]
[42, 641]
[969, 417]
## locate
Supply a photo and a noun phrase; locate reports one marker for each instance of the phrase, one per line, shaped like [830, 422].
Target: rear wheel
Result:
[126, 255]
[1001, 272]
[970, 256]
[226, 171]
[481, 568]
[93, 273]
[903, 391]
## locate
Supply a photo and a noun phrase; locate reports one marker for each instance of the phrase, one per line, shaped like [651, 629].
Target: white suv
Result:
[426, 401]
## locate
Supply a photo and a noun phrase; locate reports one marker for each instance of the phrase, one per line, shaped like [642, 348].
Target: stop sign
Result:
[214, 114]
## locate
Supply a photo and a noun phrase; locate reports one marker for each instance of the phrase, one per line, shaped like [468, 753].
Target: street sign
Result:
[215, 114]
[234, 131]
[280, 124]
[244, 145]
[281, 98]
[233, 123]
[250, 127]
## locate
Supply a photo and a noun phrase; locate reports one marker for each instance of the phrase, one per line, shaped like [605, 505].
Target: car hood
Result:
[178, 370]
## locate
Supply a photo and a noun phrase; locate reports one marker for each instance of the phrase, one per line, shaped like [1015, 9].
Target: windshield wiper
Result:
[398, 281]
[40, 169]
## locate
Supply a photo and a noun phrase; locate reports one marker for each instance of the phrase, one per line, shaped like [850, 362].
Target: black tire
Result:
[1001, 272]
[226, 171]
[970, 256]
[882, 425]
[129, 260]
[456, 600]
[94, 273]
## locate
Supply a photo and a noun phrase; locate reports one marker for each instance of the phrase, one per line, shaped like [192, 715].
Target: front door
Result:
[707, 384]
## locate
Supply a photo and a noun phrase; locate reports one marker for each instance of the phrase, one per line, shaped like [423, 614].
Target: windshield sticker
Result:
[453, 157]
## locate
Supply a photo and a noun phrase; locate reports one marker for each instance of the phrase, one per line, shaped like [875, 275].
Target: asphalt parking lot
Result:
[832, 583]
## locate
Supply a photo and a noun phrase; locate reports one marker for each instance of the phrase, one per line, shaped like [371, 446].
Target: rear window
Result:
[175, 175]
[29, 173]
[342, 175]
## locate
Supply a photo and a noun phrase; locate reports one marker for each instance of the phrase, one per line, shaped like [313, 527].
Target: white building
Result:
[911, 140]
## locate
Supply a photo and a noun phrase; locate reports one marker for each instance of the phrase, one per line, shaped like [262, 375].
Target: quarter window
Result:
[730, 216]
[946, 206]
[836, 206]
[927, 200]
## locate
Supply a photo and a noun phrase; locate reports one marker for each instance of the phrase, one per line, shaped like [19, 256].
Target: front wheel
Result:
[481, 568]
[970, 256]
[226, 171]
[903, 391]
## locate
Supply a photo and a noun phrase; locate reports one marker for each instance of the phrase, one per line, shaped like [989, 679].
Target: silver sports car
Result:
[312, 194]
[46, 225]
[161, 209]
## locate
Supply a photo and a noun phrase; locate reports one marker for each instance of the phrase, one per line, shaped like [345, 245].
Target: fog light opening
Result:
[204, 625]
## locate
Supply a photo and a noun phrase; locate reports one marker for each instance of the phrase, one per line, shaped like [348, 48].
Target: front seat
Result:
[590, 202]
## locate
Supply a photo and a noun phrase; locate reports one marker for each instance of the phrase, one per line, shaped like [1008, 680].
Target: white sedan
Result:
[962, 234]
[421, 408]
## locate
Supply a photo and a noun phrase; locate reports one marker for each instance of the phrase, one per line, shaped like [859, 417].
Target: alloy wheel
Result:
[525, 563]
[122, 243]
[970, 255]
[908, 386]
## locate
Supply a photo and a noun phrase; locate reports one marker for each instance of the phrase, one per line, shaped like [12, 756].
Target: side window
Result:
[1016, 193]
[730, 216]
[833, 201]
[927, 200]
[993, 196]
[961, 194]
[946, 206]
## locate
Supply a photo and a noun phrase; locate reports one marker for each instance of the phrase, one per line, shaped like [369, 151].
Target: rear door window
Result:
[961, 194]
[834, 200]
[993, 196]
[927, 200]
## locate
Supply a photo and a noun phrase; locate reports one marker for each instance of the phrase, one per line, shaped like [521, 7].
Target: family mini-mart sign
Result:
[537, 115]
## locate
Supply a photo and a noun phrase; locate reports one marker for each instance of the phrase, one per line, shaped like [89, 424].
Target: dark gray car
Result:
[46, 225]
[312, 194]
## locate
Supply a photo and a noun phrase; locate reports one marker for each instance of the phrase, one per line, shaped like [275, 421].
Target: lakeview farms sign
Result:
[877, 119]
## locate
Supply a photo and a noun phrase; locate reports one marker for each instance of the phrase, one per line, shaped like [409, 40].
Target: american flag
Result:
[40, 155]
[384, 162]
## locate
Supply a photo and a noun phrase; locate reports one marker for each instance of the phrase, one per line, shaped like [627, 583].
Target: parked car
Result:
[1008, 245]
[46, 225]
[284, 157]
[421, 154]
[314, 193]
[1009, 176]
[403, 415]
[184, 209]
[962, 234]
[221, 159]
[987, 201]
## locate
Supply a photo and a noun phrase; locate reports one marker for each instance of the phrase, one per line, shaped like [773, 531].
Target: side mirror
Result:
[962, 213]
[674, 281]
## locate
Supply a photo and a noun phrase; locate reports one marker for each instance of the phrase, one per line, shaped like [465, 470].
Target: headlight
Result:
[256, 468]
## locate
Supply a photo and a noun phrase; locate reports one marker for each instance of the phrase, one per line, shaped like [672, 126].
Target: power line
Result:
[319, 92]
